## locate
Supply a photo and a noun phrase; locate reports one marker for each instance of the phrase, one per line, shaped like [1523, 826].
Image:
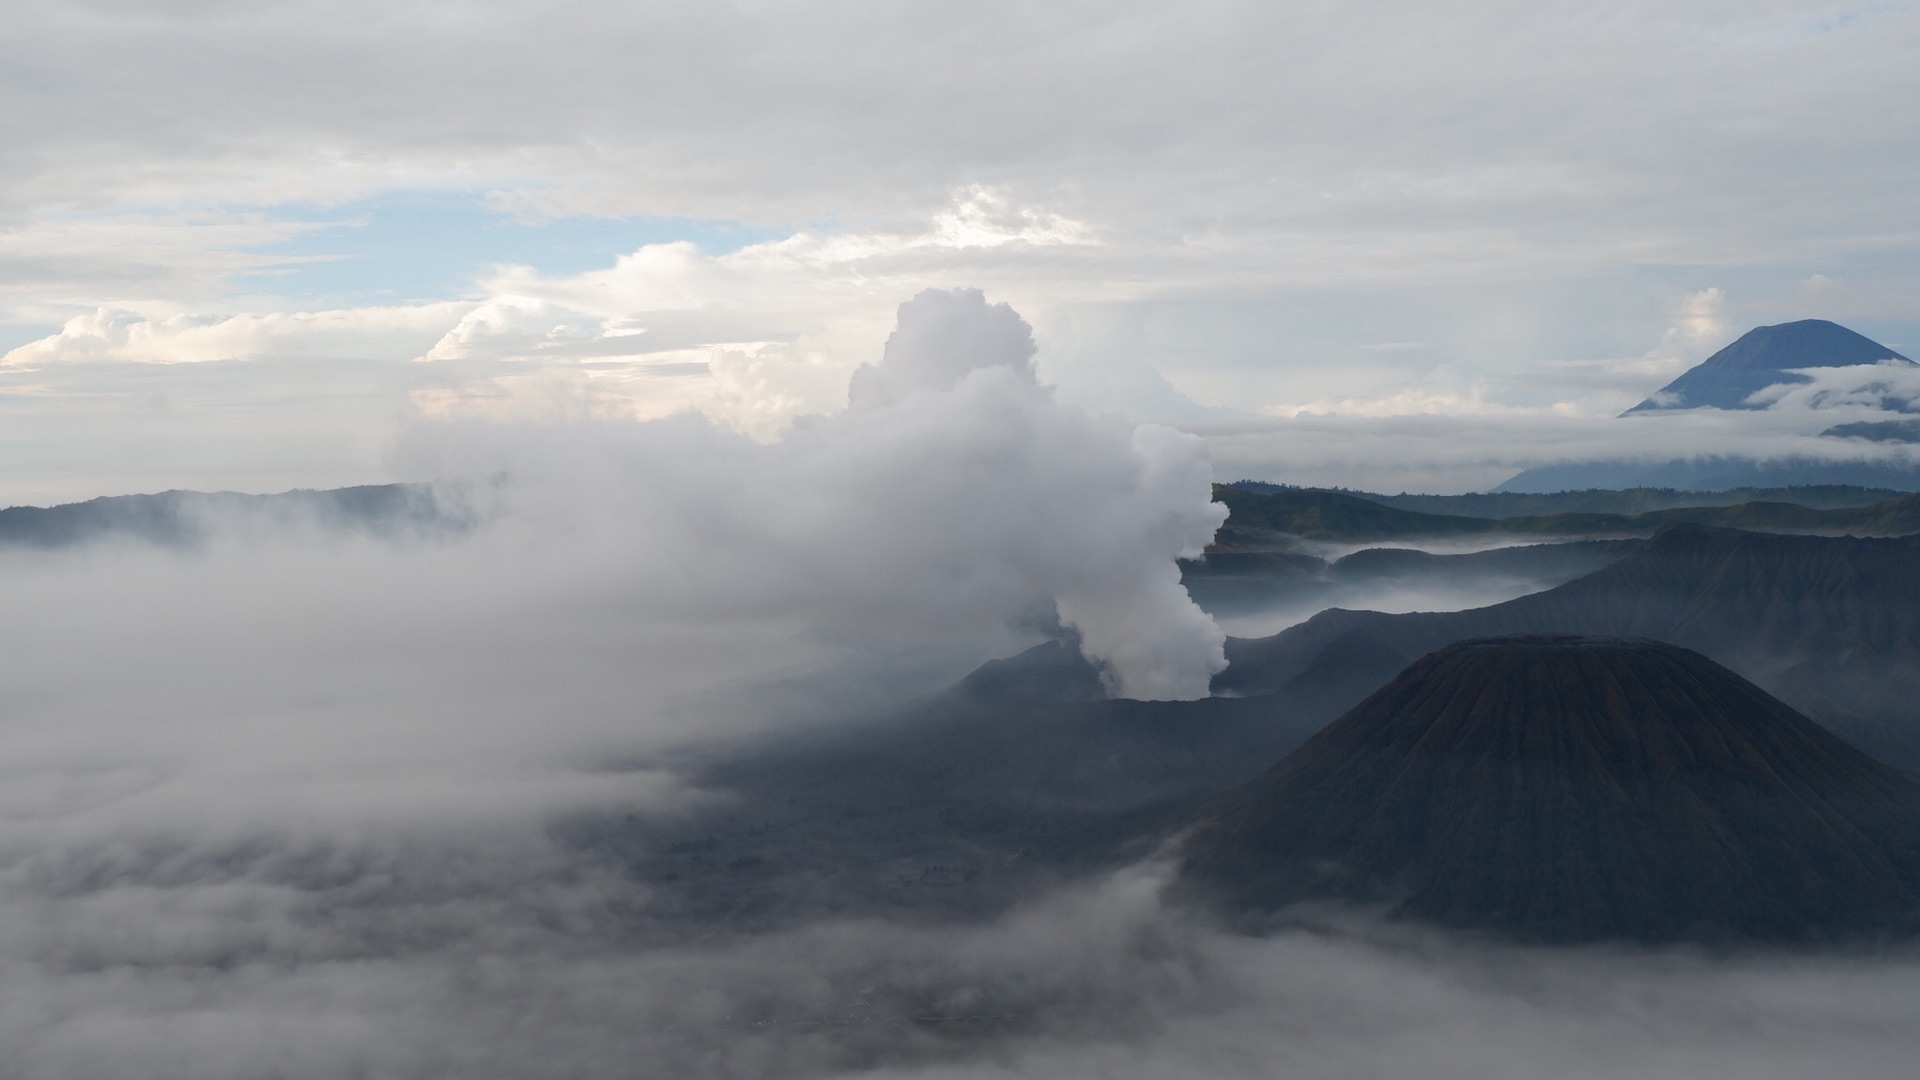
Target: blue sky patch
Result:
[414, 246]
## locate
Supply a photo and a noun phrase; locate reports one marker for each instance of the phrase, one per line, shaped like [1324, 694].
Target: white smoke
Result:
[1090, 512]
[954, 497]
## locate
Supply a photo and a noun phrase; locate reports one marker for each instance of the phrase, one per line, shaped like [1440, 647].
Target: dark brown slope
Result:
[1831, 625]
[1567, 789]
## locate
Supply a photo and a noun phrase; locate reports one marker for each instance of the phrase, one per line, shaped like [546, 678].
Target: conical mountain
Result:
[1827, 624]
[1564, 789]
[1763, 357]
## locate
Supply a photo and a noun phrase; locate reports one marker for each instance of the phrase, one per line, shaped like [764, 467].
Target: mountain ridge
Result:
[1598, 788]
[1276, 520]
[1827, 624]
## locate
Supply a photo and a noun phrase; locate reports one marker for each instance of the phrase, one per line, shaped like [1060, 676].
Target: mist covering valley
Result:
[647, 750]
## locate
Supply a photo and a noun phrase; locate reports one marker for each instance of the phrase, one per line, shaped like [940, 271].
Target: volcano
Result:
[1766, 356]
[1569, 789]
[1827, 624]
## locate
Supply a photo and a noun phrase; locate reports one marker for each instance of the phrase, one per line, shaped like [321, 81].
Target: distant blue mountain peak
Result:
[1766, 356]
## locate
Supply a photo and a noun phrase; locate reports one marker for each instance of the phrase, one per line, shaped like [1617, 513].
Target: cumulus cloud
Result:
[750, 338]
[1699, 328]
[948, 336]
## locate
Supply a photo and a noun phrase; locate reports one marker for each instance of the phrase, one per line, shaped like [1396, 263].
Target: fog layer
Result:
[469, 974]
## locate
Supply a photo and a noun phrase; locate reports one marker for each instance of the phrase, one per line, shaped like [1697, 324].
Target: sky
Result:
[254, 246]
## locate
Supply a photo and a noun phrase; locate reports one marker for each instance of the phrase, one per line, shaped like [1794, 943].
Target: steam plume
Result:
[953, 497]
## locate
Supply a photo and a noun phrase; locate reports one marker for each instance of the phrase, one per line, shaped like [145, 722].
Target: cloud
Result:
[1261, 164]
[1097, 980]
[1892, 385]
[155, 335]
[1082, 99]
[1819, 289]
[942, 338]
[751, 337]
[1426, 400]
[1698, 330]
[54, 260]
[1450, 450]
[1252, 189]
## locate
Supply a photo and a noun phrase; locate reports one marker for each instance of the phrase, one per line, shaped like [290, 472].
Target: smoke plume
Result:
[953, 497]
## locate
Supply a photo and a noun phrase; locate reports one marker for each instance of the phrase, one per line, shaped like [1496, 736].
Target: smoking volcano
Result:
[1565, 789]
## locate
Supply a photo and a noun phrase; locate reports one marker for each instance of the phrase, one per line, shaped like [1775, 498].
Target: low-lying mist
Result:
[1394, 579]
[1394, 596]
[494, 963]
[290, 808]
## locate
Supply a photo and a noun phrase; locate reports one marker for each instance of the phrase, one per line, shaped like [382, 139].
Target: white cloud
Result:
[1819, 288]
[779, 325]
[982, 217]
[1448, 450]
[751, 338]
[1429, 400]
[1698, 330]
[1294, 145]
[153, 334]
[1889, 385]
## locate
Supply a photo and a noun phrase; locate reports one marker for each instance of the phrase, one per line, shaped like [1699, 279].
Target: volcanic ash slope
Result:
[1566, 789]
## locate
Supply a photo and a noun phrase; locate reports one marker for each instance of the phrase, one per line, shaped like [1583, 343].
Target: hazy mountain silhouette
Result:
[1762, 357]
[1567, 789]
[1828, 624]
[185, 518]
